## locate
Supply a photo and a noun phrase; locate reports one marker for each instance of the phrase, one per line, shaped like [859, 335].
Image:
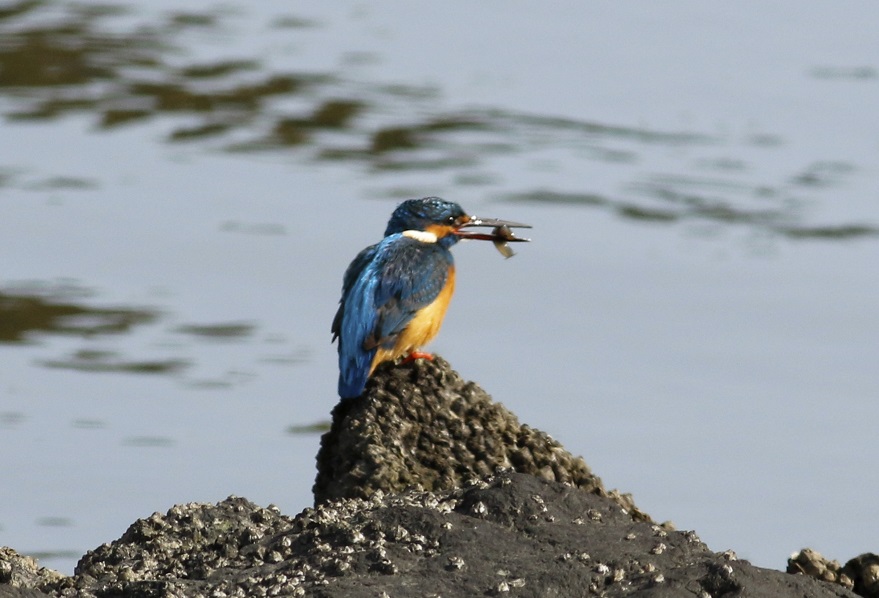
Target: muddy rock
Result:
[814, 564]
[863, 571]
[508, 534]
[426, 487]
[22, 576]
[419, 425]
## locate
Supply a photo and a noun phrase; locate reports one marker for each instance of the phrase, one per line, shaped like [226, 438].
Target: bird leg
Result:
[417, 355]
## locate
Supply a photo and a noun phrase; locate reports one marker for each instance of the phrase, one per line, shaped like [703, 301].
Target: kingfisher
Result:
[395, 293]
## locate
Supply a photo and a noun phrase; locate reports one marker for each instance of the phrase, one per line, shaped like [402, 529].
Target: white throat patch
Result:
[420, 235]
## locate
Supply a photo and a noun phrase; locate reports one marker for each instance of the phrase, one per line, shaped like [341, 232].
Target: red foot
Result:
[417, 355]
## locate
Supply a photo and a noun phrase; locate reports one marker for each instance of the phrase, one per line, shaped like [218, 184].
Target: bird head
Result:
[443, 219]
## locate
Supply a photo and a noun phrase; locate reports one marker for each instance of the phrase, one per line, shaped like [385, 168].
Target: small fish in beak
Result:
[501, 235]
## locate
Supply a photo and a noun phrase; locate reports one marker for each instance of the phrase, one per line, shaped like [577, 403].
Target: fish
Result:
[501, 237]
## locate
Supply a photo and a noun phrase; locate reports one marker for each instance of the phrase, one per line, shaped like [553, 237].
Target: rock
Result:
[419, 425]
[190, 542]
[22, 576]
[863, 571]
[425, 488]
[7, 591]
[812, 563]
[507, 534]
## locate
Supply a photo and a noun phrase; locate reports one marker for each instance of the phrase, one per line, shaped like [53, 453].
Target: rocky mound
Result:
[419, 425]
[426, 487]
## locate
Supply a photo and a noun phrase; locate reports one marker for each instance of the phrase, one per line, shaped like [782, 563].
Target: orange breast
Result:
[424, 326]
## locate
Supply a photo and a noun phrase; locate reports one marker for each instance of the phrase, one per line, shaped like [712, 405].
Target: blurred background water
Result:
[183, 184]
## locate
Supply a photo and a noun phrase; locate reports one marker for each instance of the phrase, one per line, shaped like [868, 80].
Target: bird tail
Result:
[354, 372]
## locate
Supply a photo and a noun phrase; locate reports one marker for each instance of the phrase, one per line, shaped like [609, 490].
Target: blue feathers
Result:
[356, 291]
[383, 289]
[418, 214]
[395, 293]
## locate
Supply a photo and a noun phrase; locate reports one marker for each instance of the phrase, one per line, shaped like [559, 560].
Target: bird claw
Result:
[417, 355]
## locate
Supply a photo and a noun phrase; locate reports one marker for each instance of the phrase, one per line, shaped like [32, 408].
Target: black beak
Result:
[501, 232]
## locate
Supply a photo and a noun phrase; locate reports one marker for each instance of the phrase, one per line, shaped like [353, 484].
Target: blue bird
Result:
[395, 293]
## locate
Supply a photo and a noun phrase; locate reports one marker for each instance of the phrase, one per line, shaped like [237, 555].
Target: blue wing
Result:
[355, 269]
[383, 288]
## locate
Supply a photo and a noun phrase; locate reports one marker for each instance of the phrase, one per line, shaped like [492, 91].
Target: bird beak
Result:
[500, 233]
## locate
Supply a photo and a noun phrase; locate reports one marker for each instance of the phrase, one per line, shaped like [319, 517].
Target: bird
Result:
[395, 293]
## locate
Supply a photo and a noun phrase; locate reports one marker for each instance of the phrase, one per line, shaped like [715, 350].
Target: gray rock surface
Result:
[812, 563]
[22, 576]
[493, 508]
[419, 425]
[512, 534]
[863, 570]
[860, 574]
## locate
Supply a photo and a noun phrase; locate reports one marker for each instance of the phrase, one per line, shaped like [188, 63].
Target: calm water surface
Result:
[181, 188]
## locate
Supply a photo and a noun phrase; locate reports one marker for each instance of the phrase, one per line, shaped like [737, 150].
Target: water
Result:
[181, 188]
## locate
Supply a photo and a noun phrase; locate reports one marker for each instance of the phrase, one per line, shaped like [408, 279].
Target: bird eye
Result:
[451, 220]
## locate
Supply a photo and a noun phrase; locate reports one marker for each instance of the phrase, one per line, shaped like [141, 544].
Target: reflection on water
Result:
[622, 208]
[89, 424]
[10, 419]
[53, 183]
[24, 315]
[70, 52]
[79, 63]
[84, 60]
[231, 330]
[823, 174]
[62, 182]
[677, 204]
[332, 114]
[54, 521]
[149, 441]
[315, 428]
[89, 360]
[31, 311]
[853, 73]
